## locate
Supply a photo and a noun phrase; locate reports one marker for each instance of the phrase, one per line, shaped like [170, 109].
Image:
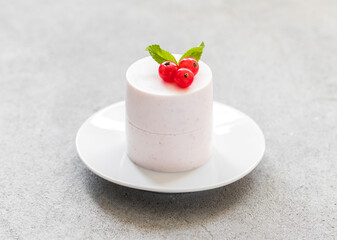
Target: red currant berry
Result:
[167, 71]
[190, 63]
[184, 77]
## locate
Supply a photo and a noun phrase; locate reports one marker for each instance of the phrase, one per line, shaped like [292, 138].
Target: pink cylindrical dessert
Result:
[168, 129]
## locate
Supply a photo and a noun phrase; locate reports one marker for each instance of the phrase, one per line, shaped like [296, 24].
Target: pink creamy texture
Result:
[169, 153]
[168, 128]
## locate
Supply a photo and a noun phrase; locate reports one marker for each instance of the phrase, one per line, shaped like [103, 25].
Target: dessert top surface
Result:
[143, 75]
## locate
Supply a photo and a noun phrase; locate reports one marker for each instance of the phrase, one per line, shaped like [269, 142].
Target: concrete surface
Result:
[60, 61]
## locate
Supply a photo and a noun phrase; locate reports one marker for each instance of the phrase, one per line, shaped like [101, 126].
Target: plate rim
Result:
[164, 189]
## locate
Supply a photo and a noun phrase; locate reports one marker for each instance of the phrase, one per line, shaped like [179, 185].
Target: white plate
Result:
[238, 147]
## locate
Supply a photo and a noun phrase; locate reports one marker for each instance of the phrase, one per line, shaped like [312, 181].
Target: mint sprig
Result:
[160, 55]
[195, 52]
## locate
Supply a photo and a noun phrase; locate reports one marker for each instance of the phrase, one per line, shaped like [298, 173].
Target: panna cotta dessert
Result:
[169, 112]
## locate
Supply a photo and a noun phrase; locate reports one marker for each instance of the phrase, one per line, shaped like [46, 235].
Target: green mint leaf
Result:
[160, 55]
[195, 52]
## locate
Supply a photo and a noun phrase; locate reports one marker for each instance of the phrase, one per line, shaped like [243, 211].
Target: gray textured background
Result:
[60, 61]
